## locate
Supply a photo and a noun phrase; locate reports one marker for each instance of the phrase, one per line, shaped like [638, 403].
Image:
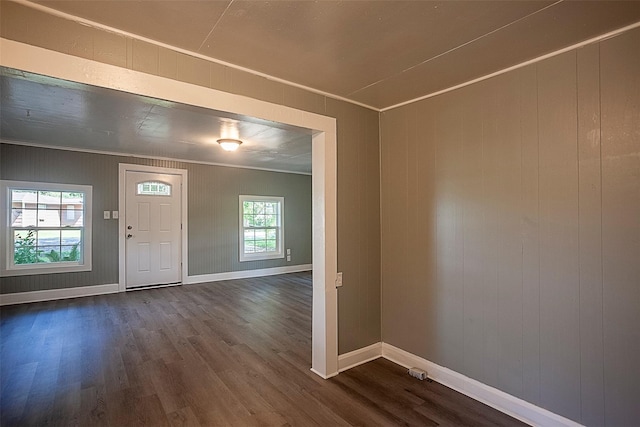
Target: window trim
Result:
[8, 268]
[259, 256]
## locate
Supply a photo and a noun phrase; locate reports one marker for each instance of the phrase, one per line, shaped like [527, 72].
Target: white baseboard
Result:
[503, 402]
[324, 377]
[358, 357]
[54, 294]
[246, 274]
[84, 291]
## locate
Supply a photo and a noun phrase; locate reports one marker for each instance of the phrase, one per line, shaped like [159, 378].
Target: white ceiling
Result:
[43, 110]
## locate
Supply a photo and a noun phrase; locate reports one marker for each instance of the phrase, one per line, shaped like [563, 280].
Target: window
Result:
[46, 227]
[153, 188]
[261, 220]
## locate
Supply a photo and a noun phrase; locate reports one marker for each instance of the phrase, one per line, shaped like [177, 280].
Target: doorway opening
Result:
[324, 186]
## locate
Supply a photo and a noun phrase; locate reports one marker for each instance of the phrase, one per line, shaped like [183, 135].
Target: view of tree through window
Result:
[49, 227]
[261, 227]
[46, 226]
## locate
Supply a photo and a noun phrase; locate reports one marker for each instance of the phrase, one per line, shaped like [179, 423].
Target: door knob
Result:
[129, 236]
[129, 227]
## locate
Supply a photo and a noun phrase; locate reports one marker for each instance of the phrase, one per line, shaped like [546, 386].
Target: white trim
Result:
[520, 65]
[143, 156]
[55, 294]
[497, 399]
[51, 63]
[104, 27]
[260, 256]
[323, 376]
[324, 322]
[324, 161]
[123, 168]
[246, 274]
[360, 356]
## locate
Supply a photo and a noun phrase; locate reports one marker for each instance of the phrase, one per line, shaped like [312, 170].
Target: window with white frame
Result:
[261, 227]
[46, 227]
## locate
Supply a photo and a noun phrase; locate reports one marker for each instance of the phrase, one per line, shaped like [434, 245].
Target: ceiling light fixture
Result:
[229, 144]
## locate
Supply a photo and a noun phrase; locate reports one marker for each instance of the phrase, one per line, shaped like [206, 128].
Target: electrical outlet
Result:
[288, 257]
[418, 373]
[339, 280]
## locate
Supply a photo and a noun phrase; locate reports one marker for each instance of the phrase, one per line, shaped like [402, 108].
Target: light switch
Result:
[114, 215]
[288, 251]
[107, 214]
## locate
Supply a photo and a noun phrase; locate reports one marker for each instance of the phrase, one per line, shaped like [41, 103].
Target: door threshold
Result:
[161, 285]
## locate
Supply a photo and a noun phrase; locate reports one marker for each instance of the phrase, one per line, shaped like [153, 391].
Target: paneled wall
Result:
[511, 231]
[358, 144]
[212, 211]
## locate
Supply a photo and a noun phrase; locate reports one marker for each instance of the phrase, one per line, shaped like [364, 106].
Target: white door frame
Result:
[123, 168]
[324, 163]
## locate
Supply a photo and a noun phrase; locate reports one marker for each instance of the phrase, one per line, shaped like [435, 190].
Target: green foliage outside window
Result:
[72, 255]
[25, 249]
[27, 252]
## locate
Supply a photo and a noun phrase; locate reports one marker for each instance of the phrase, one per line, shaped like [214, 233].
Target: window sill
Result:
[44, 270]
[246, 258]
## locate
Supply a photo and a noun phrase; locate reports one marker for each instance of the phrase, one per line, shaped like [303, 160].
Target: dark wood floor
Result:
[228, 353]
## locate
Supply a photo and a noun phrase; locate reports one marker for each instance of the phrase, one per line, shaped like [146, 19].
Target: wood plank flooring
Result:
[236, 353]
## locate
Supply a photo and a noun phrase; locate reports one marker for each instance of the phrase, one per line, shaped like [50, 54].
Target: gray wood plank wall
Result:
[212, 211]
[511, 231]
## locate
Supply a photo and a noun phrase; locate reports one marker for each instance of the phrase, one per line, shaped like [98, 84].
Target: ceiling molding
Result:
[596, 39]
[142, 156]
[453, 49]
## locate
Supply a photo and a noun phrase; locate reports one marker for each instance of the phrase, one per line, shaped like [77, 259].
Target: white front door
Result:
[153, 229]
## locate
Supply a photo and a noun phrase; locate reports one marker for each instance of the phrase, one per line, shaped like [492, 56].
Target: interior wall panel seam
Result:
[604, 389]
[539, 370]
[577, 109]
